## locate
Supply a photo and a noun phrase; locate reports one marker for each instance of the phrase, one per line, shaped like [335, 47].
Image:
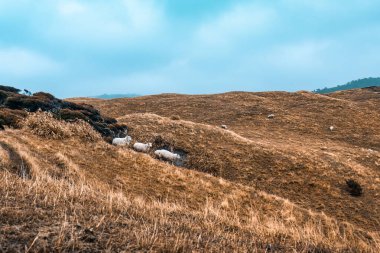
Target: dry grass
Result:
[278, 170]
[294, 155]
[79, 211]
[262, 186]
[45, 125]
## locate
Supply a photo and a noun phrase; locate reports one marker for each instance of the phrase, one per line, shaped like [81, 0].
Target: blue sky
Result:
[90, 47]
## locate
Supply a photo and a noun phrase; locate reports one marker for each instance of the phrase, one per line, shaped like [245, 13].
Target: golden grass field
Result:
[262, 185]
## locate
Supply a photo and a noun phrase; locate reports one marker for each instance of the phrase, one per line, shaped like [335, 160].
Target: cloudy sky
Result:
[91, 47]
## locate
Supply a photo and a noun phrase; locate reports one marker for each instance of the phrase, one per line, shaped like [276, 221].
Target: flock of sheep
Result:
[145, 147]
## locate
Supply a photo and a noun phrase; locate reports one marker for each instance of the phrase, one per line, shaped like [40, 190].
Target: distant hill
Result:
[112, 96]
[360, 83]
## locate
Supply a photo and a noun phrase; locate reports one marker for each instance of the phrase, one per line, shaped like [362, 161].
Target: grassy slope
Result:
[294, 155]
[298, 115]
[95, 197]
[312, 178]
[90, 196]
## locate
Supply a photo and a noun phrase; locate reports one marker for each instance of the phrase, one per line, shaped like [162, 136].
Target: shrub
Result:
[9, 89]
[109, 120]
[43, 124]
[32, 104]
[80, 107]
[67, 114]
[44, 95]
[354, 188]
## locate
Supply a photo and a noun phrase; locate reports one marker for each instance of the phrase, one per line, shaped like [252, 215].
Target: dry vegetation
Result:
[274, 169]
[65, 189]
[71, 201]
[44, 124]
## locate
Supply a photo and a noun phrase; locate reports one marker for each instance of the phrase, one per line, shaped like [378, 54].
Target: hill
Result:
[295, 150]
[360, 83]
[264, 184]
[112, 96]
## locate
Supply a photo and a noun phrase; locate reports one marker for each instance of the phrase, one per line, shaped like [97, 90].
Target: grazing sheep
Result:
[331, 128]
[223, 126]
[122, 141]
[142, 147]
[270, 116]
[163, 153]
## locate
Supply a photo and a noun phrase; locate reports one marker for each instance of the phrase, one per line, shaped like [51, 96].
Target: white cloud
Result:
[237, 22]
[105, 24]
[143, 14]
[70, 7]
[23, 63]
[297, 56]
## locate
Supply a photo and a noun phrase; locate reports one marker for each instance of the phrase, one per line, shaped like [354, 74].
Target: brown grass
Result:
[45, 125]
[83, 210]
[278, 170]
[263, 185]
[294, 155]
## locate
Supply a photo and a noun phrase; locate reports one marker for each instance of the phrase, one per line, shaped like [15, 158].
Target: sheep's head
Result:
[150, 145]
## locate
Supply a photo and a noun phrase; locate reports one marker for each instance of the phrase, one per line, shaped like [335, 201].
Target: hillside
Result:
[264, 184]
[356, 84]
[112, 96]
[294, 150]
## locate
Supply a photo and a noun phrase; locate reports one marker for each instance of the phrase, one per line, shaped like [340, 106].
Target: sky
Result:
[90, 47]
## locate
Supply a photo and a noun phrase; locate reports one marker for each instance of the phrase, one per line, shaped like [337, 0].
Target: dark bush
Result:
[109, 120]
[354, 188]
[70, 115]
[82, 107]
[102, 128]
[44, 95]
[29, 103]
[118, 129]
[93, 116]
[9, 89]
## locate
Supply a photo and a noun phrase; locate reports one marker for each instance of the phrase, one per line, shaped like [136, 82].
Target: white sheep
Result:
[163, 153]
[142, 147]
[224, 126]
[122, 141]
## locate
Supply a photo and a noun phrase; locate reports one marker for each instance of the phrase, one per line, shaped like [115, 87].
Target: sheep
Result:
[270, 116]
[142, 147]
[122, 141]
[223, 126]
[163, 153]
